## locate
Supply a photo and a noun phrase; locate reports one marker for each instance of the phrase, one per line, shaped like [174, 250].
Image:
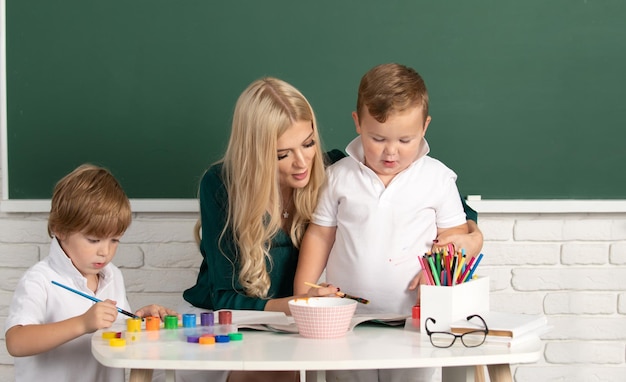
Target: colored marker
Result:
[129, 314]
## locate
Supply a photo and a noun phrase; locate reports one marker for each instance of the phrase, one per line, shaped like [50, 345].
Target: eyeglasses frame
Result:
[430, 333]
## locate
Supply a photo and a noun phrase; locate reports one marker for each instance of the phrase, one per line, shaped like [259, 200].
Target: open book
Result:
[503, 324]
[279, 322]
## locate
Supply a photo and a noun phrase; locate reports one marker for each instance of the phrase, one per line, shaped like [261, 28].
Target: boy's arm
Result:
[314, 250]
[27, 340]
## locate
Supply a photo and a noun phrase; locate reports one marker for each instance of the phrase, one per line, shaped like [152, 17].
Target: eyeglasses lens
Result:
[442, 340]
[473, 339]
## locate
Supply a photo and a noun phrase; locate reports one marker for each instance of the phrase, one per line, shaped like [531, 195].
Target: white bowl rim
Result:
[322, 302]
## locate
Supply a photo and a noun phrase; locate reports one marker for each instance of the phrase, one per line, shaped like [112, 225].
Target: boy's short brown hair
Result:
[89, 200]
[390, 88]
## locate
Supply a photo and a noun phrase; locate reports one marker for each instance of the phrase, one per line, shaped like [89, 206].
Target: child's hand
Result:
[100, 316]
[155, 310]
[418, 280]
[323, 290]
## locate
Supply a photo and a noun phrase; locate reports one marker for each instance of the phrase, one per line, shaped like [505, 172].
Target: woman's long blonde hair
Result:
[264, 111]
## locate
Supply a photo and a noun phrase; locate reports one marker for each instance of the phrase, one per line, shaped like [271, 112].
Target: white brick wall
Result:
[537, 263]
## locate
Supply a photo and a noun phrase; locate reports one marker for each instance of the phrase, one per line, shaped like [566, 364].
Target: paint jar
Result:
[415, 316]
[171, 322]
[189, 320]
[133, 325]
[225, 317]
[207, 319]
[153, 323]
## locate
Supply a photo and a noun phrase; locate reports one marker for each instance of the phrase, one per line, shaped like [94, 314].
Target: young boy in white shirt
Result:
[382, 206]
[47, 330]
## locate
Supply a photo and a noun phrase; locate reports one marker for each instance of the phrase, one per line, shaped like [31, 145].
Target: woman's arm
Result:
[472, 241]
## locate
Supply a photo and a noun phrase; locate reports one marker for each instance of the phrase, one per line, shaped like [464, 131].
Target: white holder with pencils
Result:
[447, 304]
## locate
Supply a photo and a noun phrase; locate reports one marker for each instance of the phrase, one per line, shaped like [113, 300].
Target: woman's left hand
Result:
[472, 242]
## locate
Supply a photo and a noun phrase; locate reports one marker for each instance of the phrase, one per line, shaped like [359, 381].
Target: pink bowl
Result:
[322, 317]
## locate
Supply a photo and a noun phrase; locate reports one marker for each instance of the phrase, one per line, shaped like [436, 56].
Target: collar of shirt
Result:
[64, 264]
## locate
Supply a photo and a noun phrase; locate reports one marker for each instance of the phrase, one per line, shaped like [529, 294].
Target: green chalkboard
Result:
[527, 97]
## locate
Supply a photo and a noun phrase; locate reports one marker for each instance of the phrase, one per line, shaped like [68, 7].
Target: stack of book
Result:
[505, 329]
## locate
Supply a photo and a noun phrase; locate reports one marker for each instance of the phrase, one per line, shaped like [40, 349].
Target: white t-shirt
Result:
[381, 230]
[37, 301]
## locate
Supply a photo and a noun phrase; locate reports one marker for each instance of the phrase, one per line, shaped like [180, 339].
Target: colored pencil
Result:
[434, 270]
[453, 269]
[429, 277]
[466, 271]
[460, 270]
[469, 276]
[446, 260]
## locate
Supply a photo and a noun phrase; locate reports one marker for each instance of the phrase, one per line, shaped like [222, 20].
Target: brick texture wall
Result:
[570, 267]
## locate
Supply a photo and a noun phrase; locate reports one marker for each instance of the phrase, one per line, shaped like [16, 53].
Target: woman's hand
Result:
[472, 242]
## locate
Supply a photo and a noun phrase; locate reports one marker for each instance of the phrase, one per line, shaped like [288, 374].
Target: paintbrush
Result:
[129, 314]
[340, 294]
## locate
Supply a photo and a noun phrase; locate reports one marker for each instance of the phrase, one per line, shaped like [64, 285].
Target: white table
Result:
[366, 347]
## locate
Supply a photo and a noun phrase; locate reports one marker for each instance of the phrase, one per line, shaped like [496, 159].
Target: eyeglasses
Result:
[446, 339]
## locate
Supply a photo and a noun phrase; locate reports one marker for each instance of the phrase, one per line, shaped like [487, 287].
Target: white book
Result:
[503, 324]
[519, 340]
[511, 342]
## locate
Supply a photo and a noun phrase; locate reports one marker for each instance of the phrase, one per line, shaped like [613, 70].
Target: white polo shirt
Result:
[381, 230]
[37, 301]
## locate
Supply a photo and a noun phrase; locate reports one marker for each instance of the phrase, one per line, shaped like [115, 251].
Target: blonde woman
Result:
[256, 202]
[255, 205]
